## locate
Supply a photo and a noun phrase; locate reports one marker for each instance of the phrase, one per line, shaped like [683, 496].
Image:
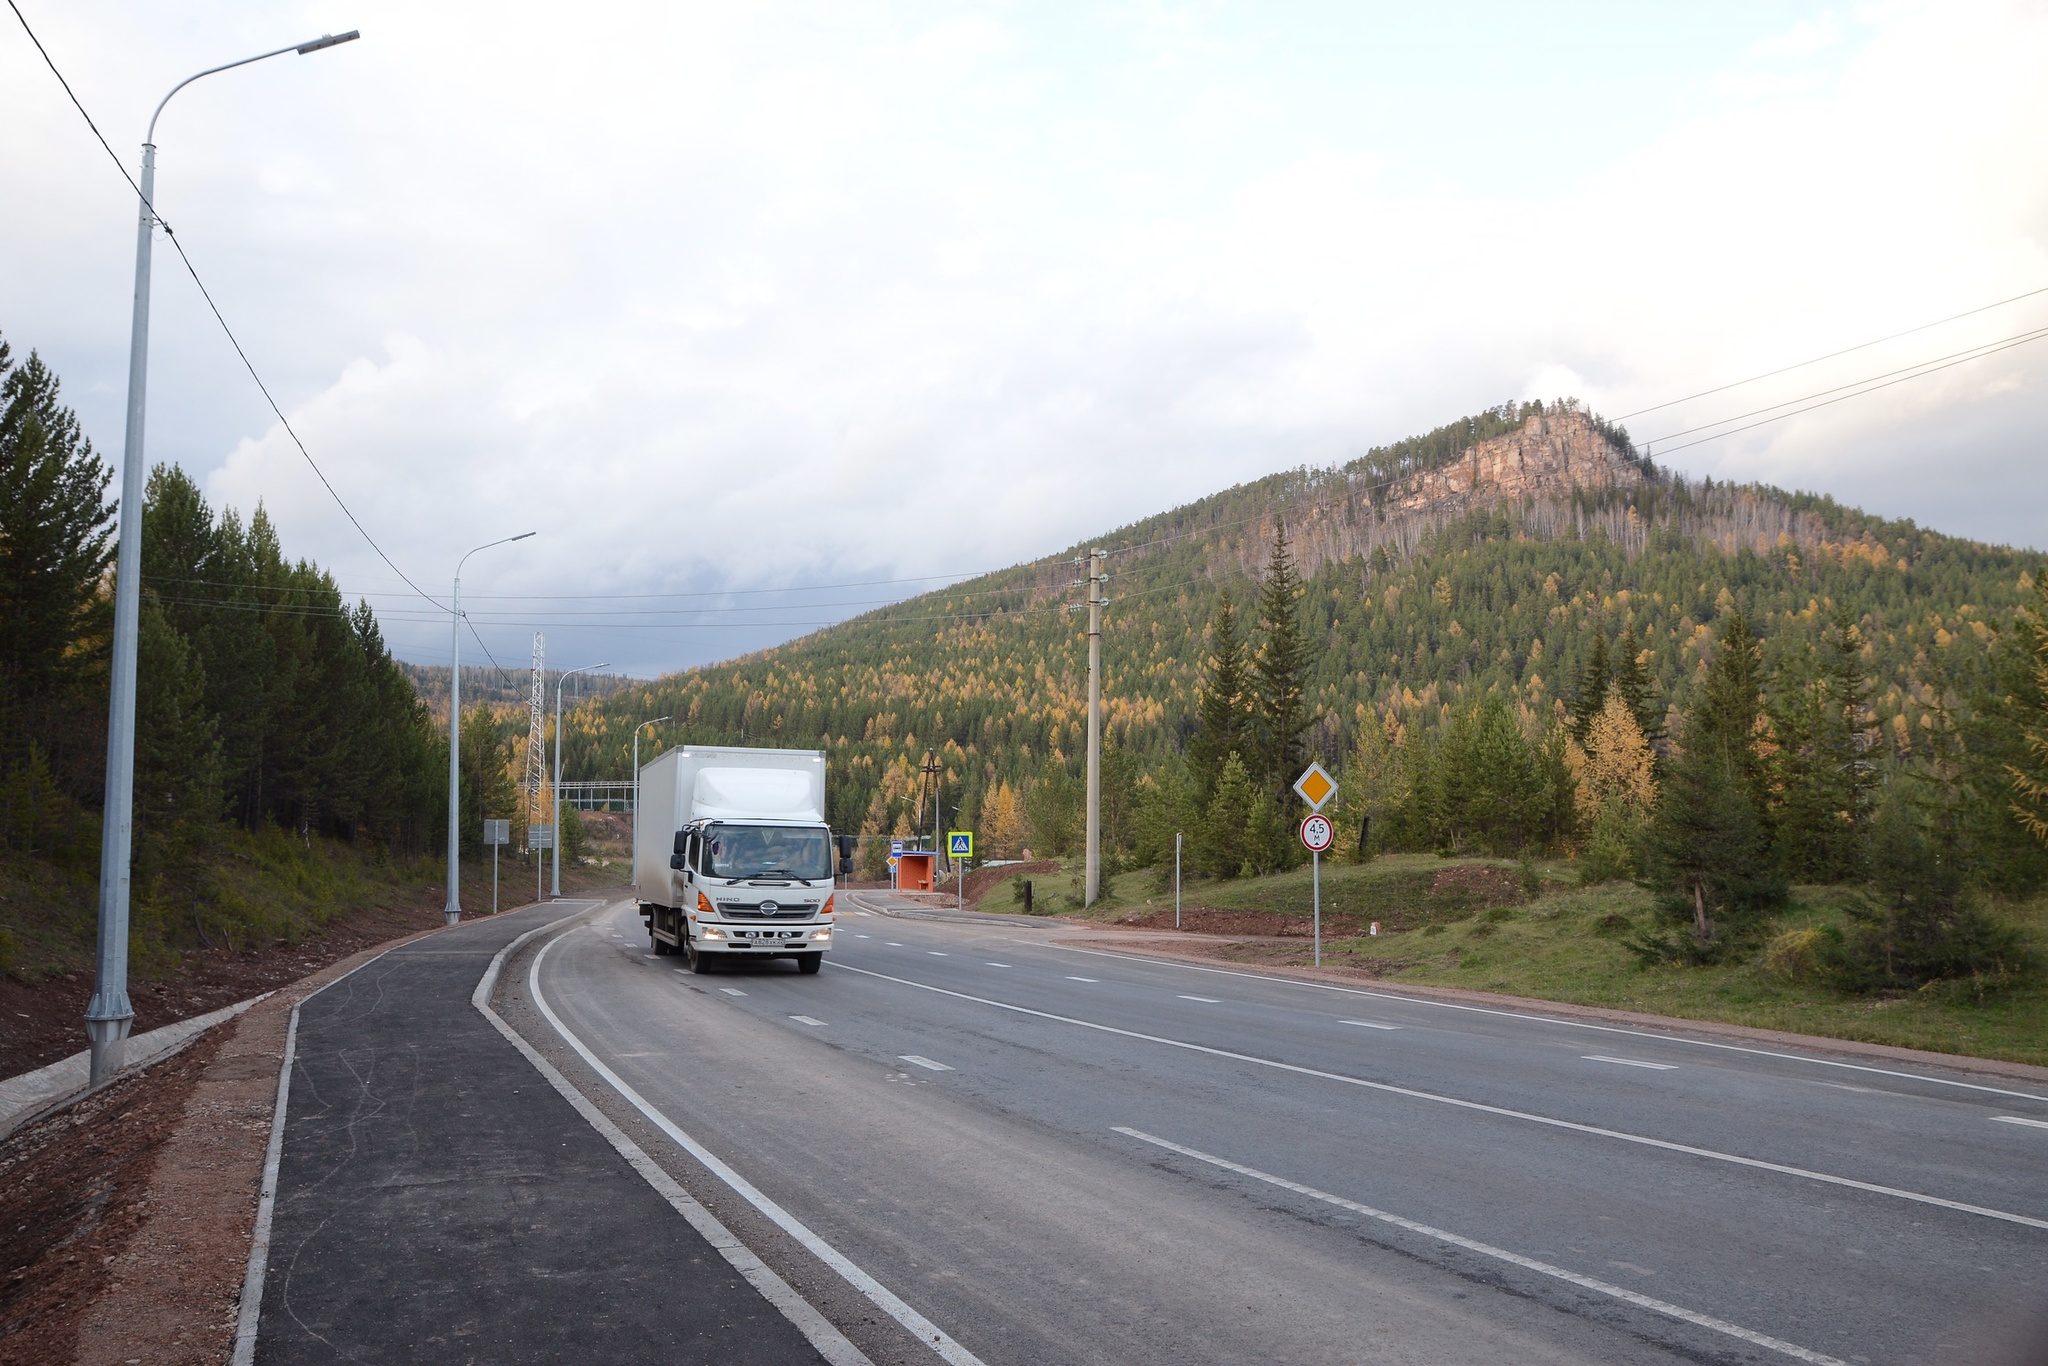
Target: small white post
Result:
[494, 878]
[1176, 879]
[1315, 861]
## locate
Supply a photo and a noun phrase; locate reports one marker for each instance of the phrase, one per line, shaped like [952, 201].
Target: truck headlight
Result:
[821, 934]
[709, 932]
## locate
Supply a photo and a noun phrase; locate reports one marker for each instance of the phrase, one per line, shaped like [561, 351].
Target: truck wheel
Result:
[661, 946]
[808, 963]
[700, 963]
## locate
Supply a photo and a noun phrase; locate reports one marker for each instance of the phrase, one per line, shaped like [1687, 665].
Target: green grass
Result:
[1568, 946]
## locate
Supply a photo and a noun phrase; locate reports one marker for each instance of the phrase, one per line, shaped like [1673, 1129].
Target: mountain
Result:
[1482, 557]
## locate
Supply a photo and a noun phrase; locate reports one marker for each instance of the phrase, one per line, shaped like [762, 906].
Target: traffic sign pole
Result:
[1315, 863]
[1316, 834]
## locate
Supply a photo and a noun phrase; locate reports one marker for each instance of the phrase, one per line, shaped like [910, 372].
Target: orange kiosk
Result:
[915, 869]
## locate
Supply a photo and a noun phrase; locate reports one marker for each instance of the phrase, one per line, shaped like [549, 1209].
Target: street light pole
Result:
[557, 860]
[453, 910]
[110, 1014]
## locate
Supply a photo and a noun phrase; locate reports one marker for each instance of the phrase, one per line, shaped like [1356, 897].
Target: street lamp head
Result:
[328, 40]
[523, 535]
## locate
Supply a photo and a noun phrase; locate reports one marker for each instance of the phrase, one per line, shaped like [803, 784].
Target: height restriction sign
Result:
[1316, 834]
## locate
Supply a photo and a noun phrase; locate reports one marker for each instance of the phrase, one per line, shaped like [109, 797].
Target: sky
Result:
[742, 301]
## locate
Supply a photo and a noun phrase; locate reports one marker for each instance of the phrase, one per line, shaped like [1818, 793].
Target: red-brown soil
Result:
[1268, 924]
[982, 881]
[73, 1191]
[1486, 884]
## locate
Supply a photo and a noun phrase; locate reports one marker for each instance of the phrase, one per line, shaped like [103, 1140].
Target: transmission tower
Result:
[536, 736]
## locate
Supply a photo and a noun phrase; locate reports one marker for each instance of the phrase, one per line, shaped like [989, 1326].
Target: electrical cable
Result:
[207, 294]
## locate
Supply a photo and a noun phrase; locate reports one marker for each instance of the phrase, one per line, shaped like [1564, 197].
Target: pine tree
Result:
[1280, 711]
[1222, 719]
[1728, 717]
[1589, 694]
[177, 751]
[1824, 778]
[1374, 788]
[1710, 855]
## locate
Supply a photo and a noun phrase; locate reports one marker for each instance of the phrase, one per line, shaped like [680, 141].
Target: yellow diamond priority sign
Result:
[1315, 786]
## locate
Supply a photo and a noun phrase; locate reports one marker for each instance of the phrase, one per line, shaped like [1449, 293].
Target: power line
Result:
[207, 294]
[1860, 346]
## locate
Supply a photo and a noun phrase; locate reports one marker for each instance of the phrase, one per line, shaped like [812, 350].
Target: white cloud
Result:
[724, 299]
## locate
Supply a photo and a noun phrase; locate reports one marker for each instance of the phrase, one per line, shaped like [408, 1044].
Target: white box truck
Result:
[731, 855]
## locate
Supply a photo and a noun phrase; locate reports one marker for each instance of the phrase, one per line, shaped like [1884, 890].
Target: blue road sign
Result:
[960, 843]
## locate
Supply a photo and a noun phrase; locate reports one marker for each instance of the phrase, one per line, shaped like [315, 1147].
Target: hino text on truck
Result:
[731, 855]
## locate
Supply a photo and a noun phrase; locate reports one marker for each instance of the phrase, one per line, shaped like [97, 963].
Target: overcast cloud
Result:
[731, 298]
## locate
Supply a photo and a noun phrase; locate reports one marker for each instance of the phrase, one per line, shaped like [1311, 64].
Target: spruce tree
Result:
[2029, 775]
[1220, 840]
[1589, 694]
[1632, 682]
[1280, 710]
[56, 545]
[1824, 778]
[1728, 716]
[1221, 714]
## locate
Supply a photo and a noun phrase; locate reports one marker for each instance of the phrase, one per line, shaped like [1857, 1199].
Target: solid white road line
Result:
[1370, 1024]
[1630, 1062]
[925, 1063]
[877, 1293]
[800, 1019]
[1205, 1000]
[1684, 1315]
[1389, 1088]
[1554, 1020]
[2015, 1119]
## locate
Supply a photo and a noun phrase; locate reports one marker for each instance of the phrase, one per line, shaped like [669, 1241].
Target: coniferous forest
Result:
[273, 726]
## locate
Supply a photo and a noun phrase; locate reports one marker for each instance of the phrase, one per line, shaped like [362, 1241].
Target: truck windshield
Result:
[736, 851]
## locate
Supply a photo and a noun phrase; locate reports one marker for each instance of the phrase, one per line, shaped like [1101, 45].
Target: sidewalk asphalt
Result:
[439, 1201]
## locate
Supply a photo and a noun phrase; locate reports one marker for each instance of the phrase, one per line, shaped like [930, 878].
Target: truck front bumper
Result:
[760, 940]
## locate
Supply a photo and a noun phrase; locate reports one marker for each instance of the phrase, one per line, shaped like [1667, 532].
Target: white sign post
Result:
[496, 834]
[1316, 788]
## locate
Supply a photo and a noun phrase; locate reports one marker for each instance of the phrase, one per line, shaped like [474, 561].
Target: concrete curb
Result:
[31, 1095]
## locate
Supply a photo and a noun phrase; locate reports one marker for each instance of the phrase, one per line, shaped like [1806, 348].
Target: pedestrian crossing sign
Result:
[960, 843]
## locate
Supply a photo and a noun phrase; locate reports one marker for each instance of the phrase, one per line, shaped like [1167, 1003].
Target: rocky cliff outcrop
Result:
[1546, 457]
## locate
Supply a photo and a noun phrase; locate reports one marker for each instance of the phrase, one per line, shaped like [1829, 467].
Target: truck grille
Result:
[766, 910]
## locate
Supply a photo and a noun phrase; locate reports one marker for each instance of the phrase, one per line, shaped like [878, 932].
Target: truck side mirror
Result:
[847, 844]
[682, 842]
[675, 861]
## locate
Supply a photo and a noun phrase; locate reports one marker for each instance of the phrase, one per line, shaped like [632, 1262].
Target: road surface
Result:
[1057, 1155]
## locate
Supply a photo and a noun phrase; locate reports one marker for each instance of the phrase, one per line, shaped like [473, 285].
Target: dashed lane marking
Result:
[2015, 1119]
[732, 991]
[1631, 1062]
[805, 1019]
[1205, 1000]
[926, 1063]
[1084, 979]
[1371, 1024]
[937, 954]
[1683, 1315]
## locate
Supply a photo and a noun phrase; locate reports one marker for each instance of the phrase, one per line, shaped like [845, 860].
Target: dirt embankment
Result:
[982, 881]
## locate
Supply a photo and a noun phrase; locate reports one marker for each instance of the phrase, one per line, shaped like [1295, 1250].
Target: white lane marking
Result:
[1084, 979]
[936, 954]
[1389, 1088]
[1370, 1024]
[1683, 1315]
[2015, 1119]
[732, 991]
[1205, 1000]
[863, 912]
[892, 943]
[800, 1019]
[814, 1327]
[1630, 1062]
[995, 965]
[1554, 1020]
[863, 936]
[925, 1063]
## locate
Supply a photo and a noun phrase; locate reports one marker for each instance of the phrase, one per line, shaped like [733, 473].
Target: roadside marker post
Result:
[1176, 879]
[497, 834]
[1316, 787]
[960, 848]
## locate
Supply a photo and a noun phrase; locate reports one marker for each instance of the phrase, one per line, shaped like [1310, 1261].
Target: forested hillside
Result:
[1497, 559]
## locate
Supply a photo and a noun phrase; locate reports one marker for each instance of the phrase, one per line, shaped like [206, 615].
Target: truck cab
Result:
[750, 889]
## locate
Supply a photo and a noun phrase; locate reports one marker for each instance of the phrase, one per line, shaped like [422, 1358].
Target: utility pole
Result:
[1095, 581]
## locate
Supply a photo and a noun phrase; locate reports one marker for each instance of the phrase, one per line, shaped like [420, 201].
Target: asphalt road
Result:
[1057, 1155]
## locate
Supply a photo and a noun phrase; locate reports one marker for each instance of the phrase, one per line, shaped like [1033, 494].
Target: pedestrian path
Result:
[439, 1201]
